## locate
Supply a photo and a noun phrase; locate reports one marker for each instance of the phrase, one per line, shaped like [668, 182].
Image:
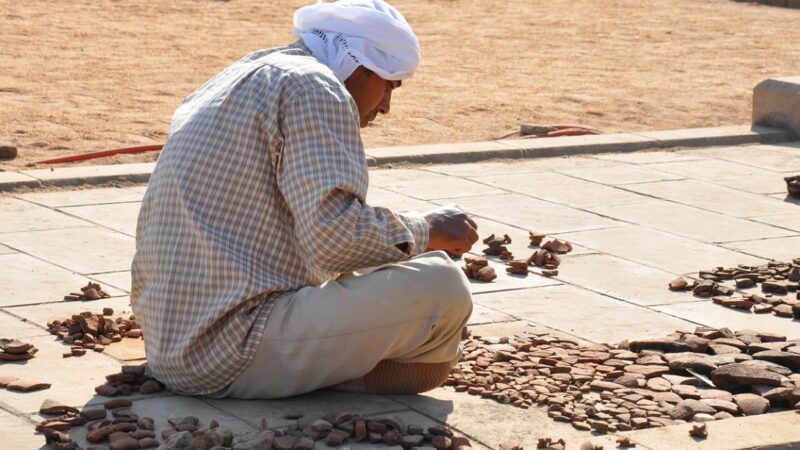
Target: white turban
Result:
[351, 33]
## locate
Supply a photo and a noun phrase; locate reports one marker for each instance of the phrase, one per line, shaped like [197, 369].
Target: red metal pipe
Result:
[103, 154]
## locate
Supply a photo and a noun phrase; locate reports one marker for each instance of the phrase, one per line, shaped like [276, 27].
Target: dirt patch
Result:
[78, 77]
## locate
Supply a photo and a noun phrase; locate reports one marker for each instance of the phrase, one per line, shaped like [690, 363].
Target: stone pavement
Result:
[637, 220]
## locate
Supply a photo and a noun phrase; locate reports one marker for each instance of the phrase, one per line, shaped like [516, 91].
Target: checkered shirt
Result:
[259, 191]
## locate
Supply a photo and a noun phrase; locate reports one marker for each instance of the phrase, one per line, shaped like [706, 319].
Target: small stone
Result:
[738, 374]
[108, 311]
[148, 443]
[303, 443]
[699, 431]
[751, 404]
[679, 284]
[686, 409]
[441, 442]
[392, 437]
[703, 417]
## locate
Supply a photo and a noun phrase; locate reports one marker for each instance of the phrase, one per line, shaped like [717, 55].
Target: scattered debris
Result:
[91, 291]
[777, 281]
[14, 350]
[92, 331]
[478, 268]
[686, 376]
[793, 186]
[497, 247]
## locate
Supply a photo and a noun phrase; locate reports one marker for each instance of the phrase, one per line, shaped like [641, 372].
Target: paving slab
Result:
[783, 157]
[128, 350]
[14, 180]
[508, 166]
[319, 402]
[66, 176]
[41, 314]
[18, 328]
[562, 189]
[621, 279]
[621, 175]
[713, 197]
[83, 250]
[73, 381]
[582, 313]
[510, 328]
[18, 432]
[710, 314]
[659, 249]
[81, 197]
[480, 315]
[529, 213]
[784, 249]
[5, 250]
[764, 432]
[26, 280]
[426, 185]
[494, 424]
[730, 174]
[790, 221]
[19, 215]
[650, 157]
[119, 280]
[690, 222]
[397, 202]
[520, 244]
[120, 217]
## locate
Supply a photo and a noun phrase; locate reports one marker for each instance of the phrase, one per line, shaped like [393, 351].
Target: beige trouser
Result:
[410, 312]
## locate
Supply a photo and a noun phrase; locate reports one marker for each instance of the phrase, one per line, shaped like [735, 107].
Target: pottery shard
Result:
[598, 385]
[738, 374]
[686, 409]
[89, 325]
[254, 440]
[721, 405]
[118, 403]
[787, 359]
[123, 442]
[679, 284]
[5, 379]
[751, 404]
[50, 406]
[27, 385]
[666, 344]
[303, 443]
[694, 361]
[16, 347]
[648, 371]
[722, 349]
[783, 311]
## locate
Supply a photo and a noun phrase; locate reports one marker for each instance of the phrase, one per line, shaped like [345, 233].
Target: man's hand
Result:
[451, 230]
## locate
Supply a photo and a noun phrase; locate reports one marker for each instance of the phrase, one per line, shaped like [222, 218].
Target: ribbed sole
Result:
[390, 377]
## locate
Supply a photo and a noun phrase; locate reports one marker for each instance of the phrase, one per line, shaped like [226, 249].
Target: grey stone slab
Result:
[41, 314]
[319, 402]
[18, 328]
[790, 221]
[781, 249]
[20, 215]
[690, 222]
[119, 280]
[72, 379]
[18, 432]
[713, 315]
[508, 166]
[396, 202]
[163, 408]
[532, 214]
[583, 313]
[730, 174]
[66, 176]
[482, 315]
[120, 217]
[25, 280]
[426, 185]
[620, 175]
[646, 157]
[660, 250]
[84, 250]
[562, 189]
[712, 197]
[621, 279]
[493, 423]
[779, 158]
[81, 197]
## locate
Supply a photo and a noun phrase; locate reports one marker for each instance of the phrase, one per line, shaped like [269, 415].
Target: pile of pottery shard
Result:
[93, 331]
[92, 291]
[14, 350]
[546, 257]
[699, 376]
[117, 424]
[779, 282]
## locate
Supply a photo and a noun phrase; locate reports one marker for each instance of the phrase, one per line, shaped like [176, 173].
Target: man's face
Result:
[371, 93]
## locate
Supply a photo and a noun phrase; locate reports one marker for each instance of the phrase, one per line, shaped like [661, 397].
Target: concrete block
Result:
[776, 103]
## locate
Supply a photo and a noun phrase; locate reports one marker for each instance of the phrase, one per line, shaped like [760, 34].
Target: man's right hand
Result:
[451, 230]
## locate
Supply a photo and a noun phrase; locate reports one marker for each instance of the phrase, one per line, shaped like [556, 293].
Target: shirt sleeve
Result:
[323, 178]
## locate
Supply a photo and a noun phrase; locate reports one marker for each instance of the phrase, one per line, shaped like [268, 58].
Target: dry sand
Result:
[78, 76]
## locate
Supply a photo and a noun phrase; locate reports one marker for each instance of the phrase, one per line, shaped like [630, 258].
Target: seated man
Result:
[256, 209]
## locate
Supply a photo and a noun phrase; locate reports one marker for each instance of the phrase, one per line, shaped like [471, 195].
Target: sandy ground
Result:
[78, 76]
